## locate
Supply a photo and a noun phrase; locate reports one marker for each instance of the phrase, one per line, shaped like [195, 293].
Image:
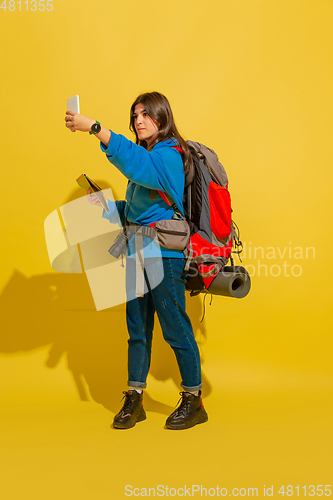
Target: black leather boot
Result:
[189, 413]
[131, 412]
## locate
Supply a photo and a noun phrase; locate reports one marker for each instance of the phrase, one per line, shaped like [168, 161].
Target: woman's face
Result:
[145, 126]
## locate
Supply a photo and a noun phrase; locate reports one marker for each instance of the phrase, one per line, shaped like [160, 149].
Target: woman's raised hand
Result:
[75, 121]
[92, 198]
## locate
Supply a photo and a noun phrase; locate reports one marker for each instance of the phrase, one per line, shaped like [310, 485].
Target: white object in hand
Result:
[73, 104]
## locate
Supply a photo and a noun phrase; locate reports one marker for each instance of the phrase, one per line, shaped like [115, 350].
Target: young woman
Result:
[153, 164]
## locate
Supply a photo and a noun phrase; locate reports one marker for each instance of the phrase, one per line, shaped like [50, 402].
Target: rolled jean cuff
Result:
[191, 389]
[141, 385]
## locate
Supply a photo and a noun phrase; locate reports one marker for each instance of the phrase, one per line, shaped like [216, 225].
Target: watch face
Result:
[96, 128]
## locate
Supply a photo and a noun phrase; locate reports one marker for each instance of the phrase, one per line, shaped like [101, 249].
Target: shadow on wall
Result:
[58, 310]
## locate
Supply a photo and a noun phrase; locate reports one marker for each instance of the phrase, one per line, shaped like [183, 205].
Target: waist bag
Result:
[173, 234]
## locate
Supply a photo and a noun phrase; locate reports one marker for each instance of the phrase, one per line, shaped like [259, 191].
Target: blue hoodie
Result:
[160, 169]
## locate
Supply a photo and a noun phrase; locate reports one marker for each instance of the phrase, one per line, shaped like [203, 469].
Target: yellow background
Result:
[252, 79]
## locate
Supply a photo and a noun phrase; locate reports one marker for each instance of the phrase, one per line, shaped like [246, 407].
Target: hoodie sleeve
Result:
[159, 169]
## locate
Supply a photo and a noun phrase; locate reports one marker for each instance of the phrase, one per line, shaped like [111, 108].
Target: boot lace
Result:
[183, 409]
[128, 403]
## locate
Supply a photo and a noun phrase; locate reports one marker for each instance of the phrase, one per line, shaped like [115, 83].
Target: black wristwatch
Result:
[95, 128]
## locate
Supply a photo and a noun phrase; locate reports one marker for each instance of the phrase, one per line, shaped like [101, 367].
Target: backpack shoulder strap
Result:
[168, 200]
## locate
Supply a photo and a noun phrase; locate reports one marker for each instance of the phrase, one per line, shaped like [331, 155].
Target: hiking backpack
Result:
[213, 233]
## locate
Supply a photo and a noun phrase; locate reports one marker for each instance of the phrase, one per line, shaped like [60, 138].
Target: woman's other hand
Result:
[75, 121]
[92, 198]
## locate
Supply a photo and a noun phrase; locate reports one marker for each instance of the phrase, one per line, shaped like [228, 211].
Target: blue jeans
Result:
[168, 300]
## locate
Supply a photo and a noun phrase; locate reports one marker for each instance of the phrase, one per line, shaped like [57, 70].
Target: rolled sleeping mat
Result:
[231, 281]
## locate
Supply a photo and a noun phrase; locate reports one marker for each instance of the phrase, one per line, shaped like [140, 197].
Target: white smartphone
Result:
[73, 104]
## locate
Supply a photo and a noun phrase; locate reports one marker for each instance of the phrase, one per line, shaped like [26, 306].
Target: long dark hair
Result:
[158, 108]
